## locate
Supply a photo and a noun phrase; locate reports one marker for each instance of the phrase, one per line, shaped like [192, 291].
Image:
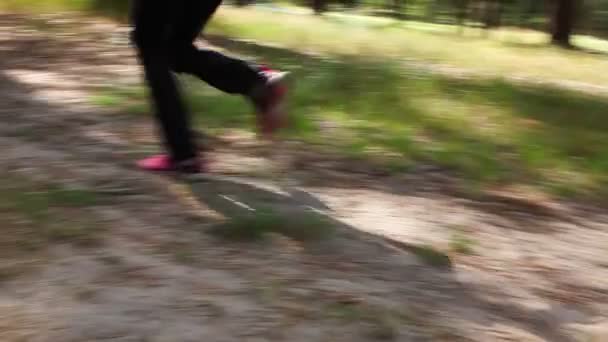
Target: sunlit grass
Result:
[505, 53]
[117, 9]
[489, 132]
[43, 5]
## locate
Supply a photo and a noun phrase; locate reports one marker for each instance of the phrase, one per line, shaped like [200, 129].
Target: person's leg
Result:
[154, 22]
[265, 88]
[225, 73]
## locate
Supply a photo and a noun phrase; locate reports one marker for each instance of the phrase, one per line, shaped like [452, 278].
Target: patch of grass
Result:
[32, 205]
[34, 215]
[71, 196]
[246, 228]
[378, 324]
[129, 99]
[20, 237]
[28, 133]
[461, 244]
[29, 243]
[111, 260]
[269, 292]
[505, 52]
[184, 256]
[46, 209]
[78, 233]
[105, 100]
[117, 9]
[43, 5]
[488, 131]
[85, 294]
[383, 327]
[431, 256]
[48, 213]
[306, 226]
[20, 243]
[257, 225]
[344, 312]
[180, 252]
[10, 269]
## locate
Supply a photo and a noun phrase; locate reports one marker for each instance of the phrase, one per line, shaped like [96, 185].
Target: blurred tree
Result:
[528, 11]
[242, 3]
[319, 6]
[115, 8]
[558, 17]
[399, 8]
[350, 3]
[492, 13]
[563, 21]
[462, 7]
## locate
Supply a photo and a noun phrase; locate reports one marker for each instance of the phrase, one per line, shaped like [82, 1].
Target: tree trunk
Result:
[349, 3]
[319, 6]
[461, 13]
[563, 22]
[492, 15]
[400, 7]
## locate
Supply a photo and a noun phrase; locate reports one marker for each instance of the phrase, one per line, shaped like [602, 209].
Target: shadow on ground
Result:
[236, 199]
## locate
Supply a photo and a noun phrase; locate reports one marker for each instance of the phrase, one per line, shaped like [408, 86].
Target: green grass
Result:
[489, 132]
[41, 213]
[257, 225]
[80, 233]
[461, 244]
[35, 204]
[111, 260]
[106, 100]
[184, 257]
[379, 324]
[130, 99]
[431, 255]
[44, 5]
[114, 8]
[506, 52]
[71, 196]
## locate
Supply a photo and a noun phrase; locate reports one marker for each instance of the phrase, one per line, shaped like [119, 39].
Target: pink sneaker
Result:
[269, 101]
[163, 163]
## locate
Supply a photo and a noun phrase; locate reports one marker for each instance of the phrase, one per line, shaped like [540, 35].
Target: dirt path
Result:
[158, 274]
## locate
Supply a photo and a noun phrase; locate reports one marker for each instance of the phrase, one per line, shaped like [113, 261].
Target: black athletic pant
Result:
[164, 32]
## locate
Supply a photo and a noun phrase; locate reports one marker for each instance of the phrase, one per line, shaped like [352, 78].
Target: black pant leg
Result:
[154, 23]
[225, 73]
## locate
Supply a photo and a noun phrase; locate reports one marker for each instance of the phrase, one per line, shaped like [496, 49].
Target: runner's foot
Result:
[269, 101]
[164, 163]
